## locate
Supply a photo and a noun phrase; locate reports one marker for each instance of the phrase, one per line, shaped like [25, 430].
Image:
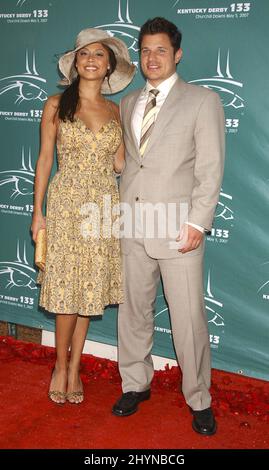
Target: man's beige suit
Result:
[183, 163]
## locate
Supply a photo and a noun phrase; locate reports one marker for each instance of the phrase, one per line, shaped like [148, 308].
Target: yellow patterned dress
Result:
[83, 264]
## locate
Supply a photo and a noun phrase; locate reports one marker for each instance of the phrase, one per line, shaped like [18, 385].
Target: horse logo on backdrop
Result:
[20, 3]
[164, 308]
[224, 83]
[213, 305]
[22, 179]
[123, 26]
[19, 273]
[28, 86]
[223, 209]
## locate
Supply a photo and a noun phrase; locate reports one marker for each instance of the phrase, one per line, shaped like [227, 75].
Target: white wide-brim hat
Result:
[123, 73]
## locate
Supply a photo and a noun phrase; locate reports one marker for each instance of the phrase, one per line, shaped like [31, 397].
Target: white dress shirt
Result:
[138, 113]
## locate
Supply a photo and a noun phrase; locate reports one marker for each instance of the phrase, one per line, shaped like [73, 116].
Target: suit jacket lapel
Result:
[169, 107]
[128, 127]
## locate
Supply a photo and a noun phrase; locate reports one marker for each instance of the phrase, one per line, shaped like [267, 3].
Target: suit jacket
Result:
[183, 161]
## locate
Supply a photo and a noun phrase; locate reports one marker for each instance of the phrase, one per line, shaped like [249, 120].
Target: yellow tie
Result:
[148, 120]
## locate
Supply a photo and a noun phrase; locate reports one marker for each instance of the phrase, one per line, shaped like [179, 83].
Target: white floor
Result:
[105, 350]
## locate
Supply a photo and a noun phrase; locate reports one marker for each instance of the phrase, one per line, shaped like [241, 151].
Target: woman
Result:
[83, 269]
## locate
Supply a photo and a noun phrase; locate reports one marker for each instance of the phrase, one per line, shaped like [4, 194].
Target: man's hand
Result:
[191, 238]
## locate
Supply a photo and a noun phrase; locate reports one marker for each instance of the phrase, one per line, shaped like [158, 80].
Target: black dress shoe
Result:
[128, 403]
[204, 422]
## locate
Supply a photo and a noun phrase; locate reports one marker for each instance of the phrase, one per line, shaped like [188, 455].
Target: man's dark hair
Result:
[161, 25]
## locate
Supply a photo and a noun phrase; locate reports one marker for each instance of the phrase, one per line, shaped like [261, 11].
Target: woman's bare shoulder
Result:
[115, 108]
[51, 108]
[54, 100]
[115, 105]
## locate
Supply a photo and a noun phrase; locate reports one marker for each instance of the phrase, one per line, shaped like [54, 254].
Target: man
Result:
[174, 137]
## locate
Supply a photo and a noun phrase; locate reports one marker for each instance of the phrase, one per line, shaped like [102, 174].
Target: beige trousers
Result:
[183, 287]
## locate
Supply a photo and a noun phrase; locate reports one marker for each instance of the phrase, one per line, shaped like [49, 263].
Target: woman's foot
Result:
[57, 389]
[75, 388]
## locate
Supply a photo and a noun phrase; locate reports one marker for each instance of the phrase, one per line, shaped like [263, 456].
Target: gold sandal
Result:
[58, 396]
[73, 395]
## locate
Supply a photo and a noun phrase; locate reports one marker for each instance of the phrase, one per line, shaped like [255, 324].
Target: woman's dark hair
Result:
[161, 25]
[70, 97]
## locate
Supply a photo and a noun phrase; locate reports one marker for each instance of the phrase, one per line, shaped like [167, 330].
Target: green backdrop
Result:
[225, 48]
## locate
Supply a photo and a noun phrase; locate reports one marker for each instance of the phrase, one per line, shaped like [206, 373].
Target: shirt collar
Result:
[164, 87]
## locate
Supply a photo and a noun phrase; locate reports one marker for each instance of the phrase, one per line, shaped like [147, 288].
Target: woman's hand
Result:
[38, 222]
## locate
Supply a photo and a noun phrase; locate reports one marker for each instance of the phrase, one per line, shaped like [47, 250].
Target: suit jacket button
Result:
[141, 166]
[137, 198]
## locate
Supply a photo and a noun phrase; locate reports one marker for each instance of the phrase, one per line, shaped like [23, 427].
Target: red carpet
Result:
[30, 421]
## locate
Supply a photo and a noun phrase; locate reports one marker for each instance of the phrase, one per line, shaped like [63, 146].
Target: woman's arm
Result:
[45, 161]
[119, 159]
